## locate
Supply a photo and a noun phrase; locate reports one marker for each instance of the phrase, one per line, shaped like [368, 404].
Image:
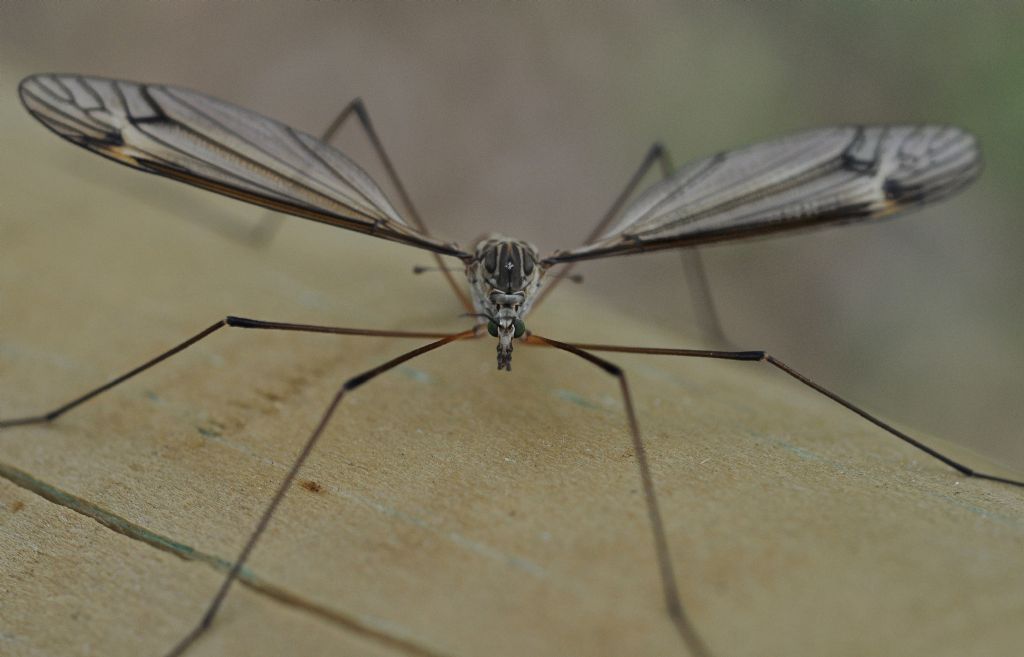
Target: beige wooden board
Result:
[460, 511]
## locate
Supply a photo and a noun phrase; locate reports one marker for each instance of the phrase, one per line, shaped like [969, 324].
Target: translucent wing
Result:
[215, 145]
[826, 176]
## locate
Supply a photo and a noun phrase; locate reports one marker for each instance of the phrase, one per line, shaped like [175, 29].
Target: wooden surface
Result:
[450, 509]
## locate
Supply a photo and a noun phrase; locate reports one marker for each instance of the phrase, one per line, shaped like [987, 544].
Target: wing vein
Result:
[814, 178]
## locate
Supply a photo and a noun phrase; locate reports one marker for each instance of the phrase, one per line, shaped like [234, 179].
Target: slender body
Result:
[504, 277]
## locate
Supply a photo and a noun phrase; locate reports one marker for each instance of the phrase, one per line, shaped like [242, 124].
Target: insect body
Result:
[819, 177]
[504, 275]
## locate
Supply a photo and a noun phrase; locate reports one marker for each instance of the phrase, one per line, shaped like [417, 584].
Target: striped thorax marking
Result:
[504, 277]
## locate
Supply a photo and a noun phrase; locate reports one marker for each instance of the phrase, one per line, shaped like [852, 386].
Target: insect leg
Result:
[266, 229]
[668, 580]
[693, 265]
[697, 279]
[655, 154]
[774, 362]
[238, 322]
[700, 296]
[268, 512]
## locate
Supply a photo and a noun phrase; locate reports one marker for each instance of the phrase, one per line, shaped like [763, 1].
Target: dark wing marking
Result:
[215, 145]
[826, 176]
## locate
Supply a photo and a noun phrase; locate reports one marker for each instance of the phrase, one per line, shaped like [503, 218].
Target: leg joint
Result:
[241, 322]
[612, 369]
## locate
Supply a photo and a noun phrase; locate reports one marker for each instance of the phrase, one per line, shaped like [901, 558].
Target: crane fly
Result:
[815, 178]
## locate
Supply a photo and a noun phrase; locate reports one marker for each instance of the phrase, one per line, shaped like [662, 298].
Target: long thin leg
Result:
[230, 321]
[668, 579]
[700, 295]
[655, 154]
[265, 230]
[264, 520]
[697, 280]
[774, 362]
[268, 226]
[693, 265]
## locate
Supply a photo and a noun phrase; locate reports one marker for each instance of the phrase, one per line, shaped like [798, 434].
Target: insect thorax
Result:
[504, 276]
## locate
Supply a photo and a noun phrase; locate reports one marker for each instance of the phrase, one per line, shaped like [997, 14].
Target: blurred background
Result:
[529, 118]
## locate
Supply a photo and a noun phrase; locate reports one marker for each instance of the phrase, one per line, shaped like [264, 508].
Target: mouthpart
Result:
[505, 351]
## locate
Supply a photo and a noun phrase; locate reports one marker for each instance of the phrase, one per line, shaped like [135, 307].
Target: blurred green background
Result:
[528, 118]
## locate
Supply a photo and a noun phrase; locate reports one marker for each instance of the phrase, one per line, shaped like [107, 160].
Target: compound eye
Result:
[520, 328]
[492, 328]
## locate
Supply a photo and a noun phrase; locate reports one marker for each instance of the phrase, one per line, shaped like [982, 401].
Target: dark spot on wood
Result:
[17, 505]
[311, 486]
[270, 396]
[208, 432]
